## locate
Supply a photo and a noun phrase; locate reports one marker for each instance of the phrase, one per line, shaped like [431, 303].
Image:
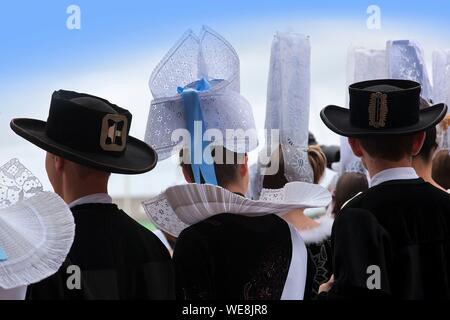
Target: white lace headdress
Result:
[441, 89]
[192, 59]
[365, 64]
[36, 228]
[362, 64]
[288, 103]
[405, 60]
[349, 162]
[17, 183]
[402, 59]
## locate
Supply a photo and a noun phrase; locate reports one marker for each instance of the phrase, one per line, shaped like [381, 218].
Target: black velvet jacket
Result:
[118, 259]
[404, 230]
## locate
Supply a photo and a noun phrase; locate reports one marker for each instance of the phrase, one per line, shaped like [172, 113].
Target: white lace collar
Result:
[184, 205]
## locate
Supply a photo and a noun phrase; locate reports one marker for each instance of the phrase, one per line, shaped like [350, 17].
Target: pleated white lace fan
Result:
[184, 205]
[36, 228]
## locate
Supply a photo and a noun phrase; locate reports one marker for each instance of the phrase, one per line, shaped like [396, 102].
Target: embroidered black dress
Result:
[321, 256]
[318, 244]
[229, 256]
[118, 258]
[404, 230]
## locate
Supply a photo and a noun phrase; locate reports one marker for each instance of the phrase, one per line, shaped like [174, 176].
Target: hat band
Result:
[107, 135]
[379, 110]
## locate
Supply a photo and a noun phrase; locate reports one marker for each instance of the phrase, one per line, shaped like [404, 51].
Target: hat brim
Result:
[138, 157]
[337, 119]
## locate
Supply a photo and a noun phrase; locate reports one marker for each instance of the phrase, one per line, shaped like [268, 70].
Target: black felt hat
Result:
[382, 107]
[90, 131]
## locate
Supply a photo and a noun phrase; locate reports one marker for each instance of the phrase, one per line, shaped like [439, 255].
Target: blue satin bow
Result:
[193, 112]
[3, 256]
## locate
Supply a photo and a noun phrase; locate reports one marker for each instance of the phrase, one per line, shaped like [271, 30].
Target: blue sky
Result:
[120, 42]
[34, 36]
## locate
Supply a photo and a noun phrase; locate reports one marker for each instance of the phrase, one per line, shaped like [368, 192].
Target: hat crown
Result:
[94, 104]
[87, 123]
[384, 104]
[383, 88]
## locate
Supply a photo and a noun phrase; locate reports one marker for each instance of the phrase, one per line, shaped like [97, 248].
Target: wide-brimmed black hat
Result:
[90, 131]
[382, 107]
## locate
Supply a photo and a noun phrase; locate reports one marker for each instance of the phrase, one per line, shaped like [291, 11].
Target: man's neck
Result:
[235, 189]
[375, 166]
[75, 191]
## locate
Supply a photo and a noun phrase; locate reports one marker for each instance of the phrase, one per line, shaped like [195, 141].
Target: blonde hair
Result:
[445, 123]
[318, 162]
[316, 158]
[441, 169]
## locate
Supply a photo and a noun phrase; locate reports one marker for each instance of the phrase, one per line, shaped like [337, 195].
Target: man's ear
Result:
[243, 168]
[418, 140]
[356, 147]
[59, 163]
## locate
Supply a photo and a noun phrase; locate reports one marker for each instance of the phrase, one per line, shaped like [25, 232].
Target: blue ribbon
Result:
[3, 256]
[194, 115]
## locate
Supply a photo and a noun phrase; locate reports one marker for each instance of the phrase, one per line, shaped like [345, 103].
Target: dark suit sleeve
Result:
[193, 267]
[52, 288]
[361, 258]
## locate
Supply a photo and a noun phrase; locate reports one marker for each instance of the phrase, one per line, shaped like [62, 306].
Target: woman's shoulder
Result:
[319, 234]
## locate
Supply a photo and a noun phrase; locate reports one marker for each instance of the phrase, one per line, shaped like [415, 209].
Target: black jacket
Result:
[403, 228]
[230, 256]
[118, 259]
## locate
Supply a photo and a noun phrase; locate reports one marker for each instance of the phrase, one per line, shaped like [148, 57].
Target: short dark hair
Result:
[348, 186]
[226, 170]
[441, 169]
[277, 180]
[388, 147]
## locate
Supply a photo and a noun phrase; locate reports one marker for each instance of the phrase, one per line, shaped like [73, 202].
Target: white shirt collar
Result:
[404, 173]
[92, 198]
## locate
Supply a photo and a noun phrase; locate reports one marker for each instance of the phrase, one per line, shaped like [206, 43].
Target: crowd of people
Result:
[378, 228]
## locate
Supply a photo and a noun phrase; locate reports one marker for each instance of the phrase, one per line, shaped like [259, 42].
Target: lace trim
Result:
[405, 61]
[17, 183]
